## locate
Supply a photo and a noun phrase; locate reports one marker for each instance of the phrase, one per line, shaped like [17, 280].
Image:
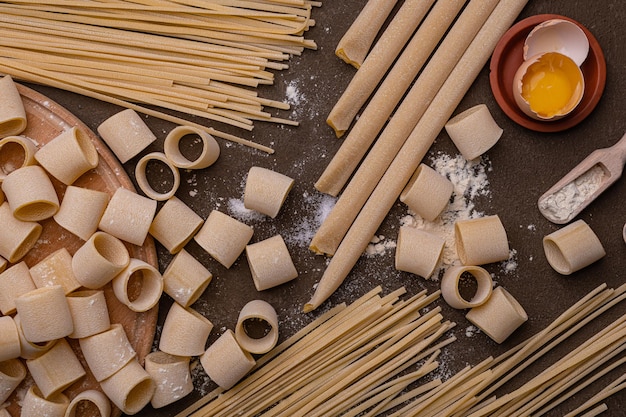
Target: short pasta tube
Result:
[99, 260]
[270, 263]
[175, 224]
[427, 192]
[35, 405]
[107, 352]
[81, 210]
[30, 194]
[15, 152]
[56, 369]
[36, 309]
[171, 375]
[185, 279]
[10, 347]
[90, 313]
[185, 332]
[474, 131]
[223, 237]
[12, 112]
[499, 317]
[128, 216]
[14, 282]
[28, 349]
[126, 134]
[17, 237]
[130, 389]
[55, 269]
[3, 263]
[417, 251]
[68, 156]
[207, 157]
[266, 191]
[225, 362]
[144, 183]
[91, 396]
[482, 240]
[257, 327]
[451, 281]
[12, 373]
[139, 286]
[572, 248]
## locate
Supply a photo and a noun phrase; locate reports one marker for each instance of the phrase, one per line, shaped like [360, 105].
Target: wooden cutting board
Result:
[46, 120]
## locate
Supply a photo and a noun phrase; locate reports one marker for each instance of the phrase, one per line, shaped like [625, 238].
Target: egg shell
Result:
[557, 35]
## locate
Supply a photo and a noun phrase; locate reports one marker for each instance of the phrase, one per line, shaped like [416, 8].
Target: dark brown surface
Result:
[524, 164]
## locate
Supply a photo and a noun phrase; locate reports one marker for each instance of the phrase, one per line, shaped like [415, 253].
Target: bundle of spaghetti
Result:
[354, 359]
[202, 59]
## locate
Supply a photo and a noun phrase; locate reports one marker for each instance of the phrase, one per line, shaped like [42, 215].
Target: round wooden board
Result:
[46, 120]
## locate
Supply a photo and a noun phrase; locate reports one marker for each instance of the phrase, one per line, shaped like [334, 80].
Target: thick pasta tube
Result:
[499, 317]
[17, 237]
[171, 375]
[81, 210]
[99, 260]
[185, 279]
[15, 152]
[12, 112]
[28, 349]
[55, 269]
[35, 309]
[356, 42]
[56, 369]
[12, 373]
[223, 237]
[68, 156]
[35, 405]
[126, 134]
[90, 313]
[10, 347]
[208, 156]
[141, 297]
[481, 240]
[261, 314]
[427, 193]
[130, 388]
[3, 263]
[452, 279]
[175, 224]
[185, 332]
[266, 190]
[474, 131]
[107, 352]
[270, 263]
[91, 396]
[572, 248]
[30, 194]
[128, 216]
[14, 282]
[144, 183]
[225, 362]
[418, 251]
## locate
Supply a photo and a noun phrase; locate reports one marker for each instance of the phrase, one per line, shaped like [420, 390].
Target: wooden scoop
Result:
[583, 184]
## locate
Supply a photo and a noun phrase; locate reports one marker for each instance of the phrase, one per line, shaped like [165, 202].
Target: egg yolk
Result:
[552, 85]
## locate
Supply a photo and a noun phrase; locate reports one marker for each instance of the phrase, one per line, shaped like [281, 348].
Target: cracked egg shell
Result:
[557, 35]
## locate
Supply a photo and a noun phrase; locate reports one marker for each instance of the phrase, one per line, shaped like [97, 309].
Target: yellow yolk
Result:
[552, 85]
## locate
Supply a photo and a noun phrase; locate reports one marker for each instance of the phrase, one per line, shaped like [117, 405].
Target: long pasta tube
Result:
[400, 171]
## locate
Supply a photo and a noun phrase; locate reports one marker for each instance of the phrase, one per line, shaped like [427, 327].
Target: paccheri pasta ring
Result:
[144, 183]
[210, 148]
[450, 286]
[17, 151]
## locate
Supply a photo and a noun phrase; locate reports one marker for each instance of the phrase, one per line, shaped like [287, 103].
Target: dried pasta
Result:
[257, 311]
[417, 251]
[81, 210]
[90, 313]
[270, 263]
[185, 279]
[452, 279]
[14, 282]
[499, 316]
[91, 396]
[12, 373]
[12, 112]
[266, 190]
[474, 131]
[130, 388]
[56, 369]
[9, 339]
[150, 290]
[175, 224]
[225, 362]
[3, 263]
[427, 193]
[16, 152]
[185, 332]
[171, 375]
[128, 216]
[17, 236]
[572, 248]
[107, 352]
[35, 405]
[35, 308]
[223, 237]
[126, 134]
[144, 183]
[208, 156]
[30, 194]
[482, 240]
[99, 260]
[28, 349]
[68, 156]
[55, 269]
